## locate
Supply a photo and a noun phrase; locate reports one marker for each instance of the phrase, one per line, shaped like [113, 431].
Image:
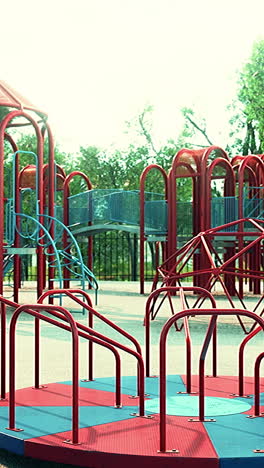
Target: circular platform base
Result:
[111, 436]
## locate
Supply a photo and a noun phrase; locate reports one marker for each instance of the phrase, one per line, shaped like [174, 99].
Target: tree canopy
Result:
[248, 110]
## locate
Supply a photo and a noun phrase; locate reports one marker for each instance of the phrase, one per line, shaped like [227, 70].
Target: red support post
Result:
[142, 217]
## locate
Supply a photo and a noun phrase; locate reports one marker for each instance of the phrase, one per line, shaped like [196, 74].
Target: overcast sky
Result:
[93, 64]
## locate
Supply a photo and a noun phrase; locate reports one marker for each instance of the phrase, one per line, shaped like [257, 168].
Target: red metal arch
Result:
[142, 215]
[209, 150]
[10, 140]
[172, 195]
[40, 258]
[66, 194]
[229, 186]
[241, 175]
[195, 154]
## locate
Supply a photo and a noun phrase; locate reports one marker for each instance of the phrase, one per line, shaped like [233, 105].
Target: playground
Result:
[181, 385]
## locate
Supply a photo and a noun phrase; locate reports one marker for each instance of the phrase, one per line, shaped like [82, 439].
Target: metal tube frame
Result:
[214, 313]
[152, 297]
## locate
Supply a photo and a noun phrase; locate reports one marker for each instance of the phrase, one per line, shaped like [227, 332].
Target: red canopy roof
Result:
[11, 98]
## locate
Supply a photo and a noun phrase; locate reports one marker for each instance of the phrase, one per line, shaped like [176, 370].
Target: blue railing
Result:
[121, 206]
[117, 206]
[224, 210]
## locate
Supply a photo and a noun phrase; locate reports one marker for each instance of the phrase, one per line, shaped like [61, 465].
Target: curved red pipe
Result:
[142, 216]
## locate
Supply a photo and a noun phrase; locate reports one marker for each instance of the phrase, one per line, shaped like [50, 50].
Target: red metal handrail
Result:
[90, 318]
[66, 194]
[3, 351]
[142, 215]
[52, 310]
[88, 306]
[4, 302]
[241, 359]
[163, 338]
[75, 360]
[257, 384]
[140, 367]
[137, 355]
[188, 343]
[104, 341]
[152, 298]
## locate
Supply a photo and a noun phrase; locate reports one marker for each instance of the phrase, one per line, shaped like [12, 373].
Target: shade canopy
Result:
[11, 98]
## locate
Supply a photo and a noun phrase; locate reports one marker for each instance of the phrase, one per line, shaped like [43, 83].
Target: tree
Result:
[249, 109]
[121, 169]
[4, 111]
[194, 126]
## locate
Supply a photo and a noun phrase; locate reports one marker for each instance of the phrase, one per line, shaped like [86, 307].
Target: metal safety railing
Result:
[76, 330]
[73, 294]
[214, 314]
[169, 292]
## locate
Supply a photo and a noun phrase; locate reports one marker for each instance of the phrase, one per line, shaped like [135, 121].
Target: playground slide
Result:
[8, 263]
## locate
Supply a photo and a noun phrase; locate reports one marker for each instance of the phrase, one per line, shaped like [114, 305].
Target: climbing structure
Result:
[231, 276]
[28, 222]
[224, 190]
[105, 422]
[221, 191]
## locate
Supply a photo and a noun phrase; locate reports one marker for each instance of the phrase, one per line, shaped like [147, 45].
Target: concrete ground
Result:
[122, 304]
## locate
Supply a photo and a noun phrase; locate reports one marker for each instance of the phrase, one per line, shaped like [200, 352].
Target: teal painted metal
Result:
[224, 210]
[57, 257]
[71, 261]
[8, 263]
[254, 208]
[9, 222]
[121, 206]
[36, 181]
[118, 206]
[36, 239]
[156, 216]
[254, 205]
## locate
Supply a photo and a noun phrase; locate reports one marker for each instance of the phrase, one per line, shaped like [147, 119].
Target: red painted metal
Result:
[75, 360]
[12, 143]
[3, 350]
[187, 342]
[100, 341]
[200, 165]
[59, 312]
[11, 98]
[245, 163]
[214, 313]
[148, 310]
[88, 306]
[66, 194]
[51, 204]
[251, 335]
[171, 270]
[142, 216]
[140, 367]
[3, 125]
[229, 188]
[257, 385]
[70, 294]
[210, 332]
[206, 175]
[181, 167]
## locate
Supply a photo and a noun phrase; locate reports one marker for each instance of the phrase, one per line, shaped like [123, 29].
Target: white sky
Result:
[93, 64]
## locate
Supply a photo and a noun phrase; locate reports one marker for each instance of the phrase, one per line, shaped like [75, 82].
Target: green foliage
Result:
[4, 111]
[247, 123]
[122, 169]
[194, 127]
[28, 142]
